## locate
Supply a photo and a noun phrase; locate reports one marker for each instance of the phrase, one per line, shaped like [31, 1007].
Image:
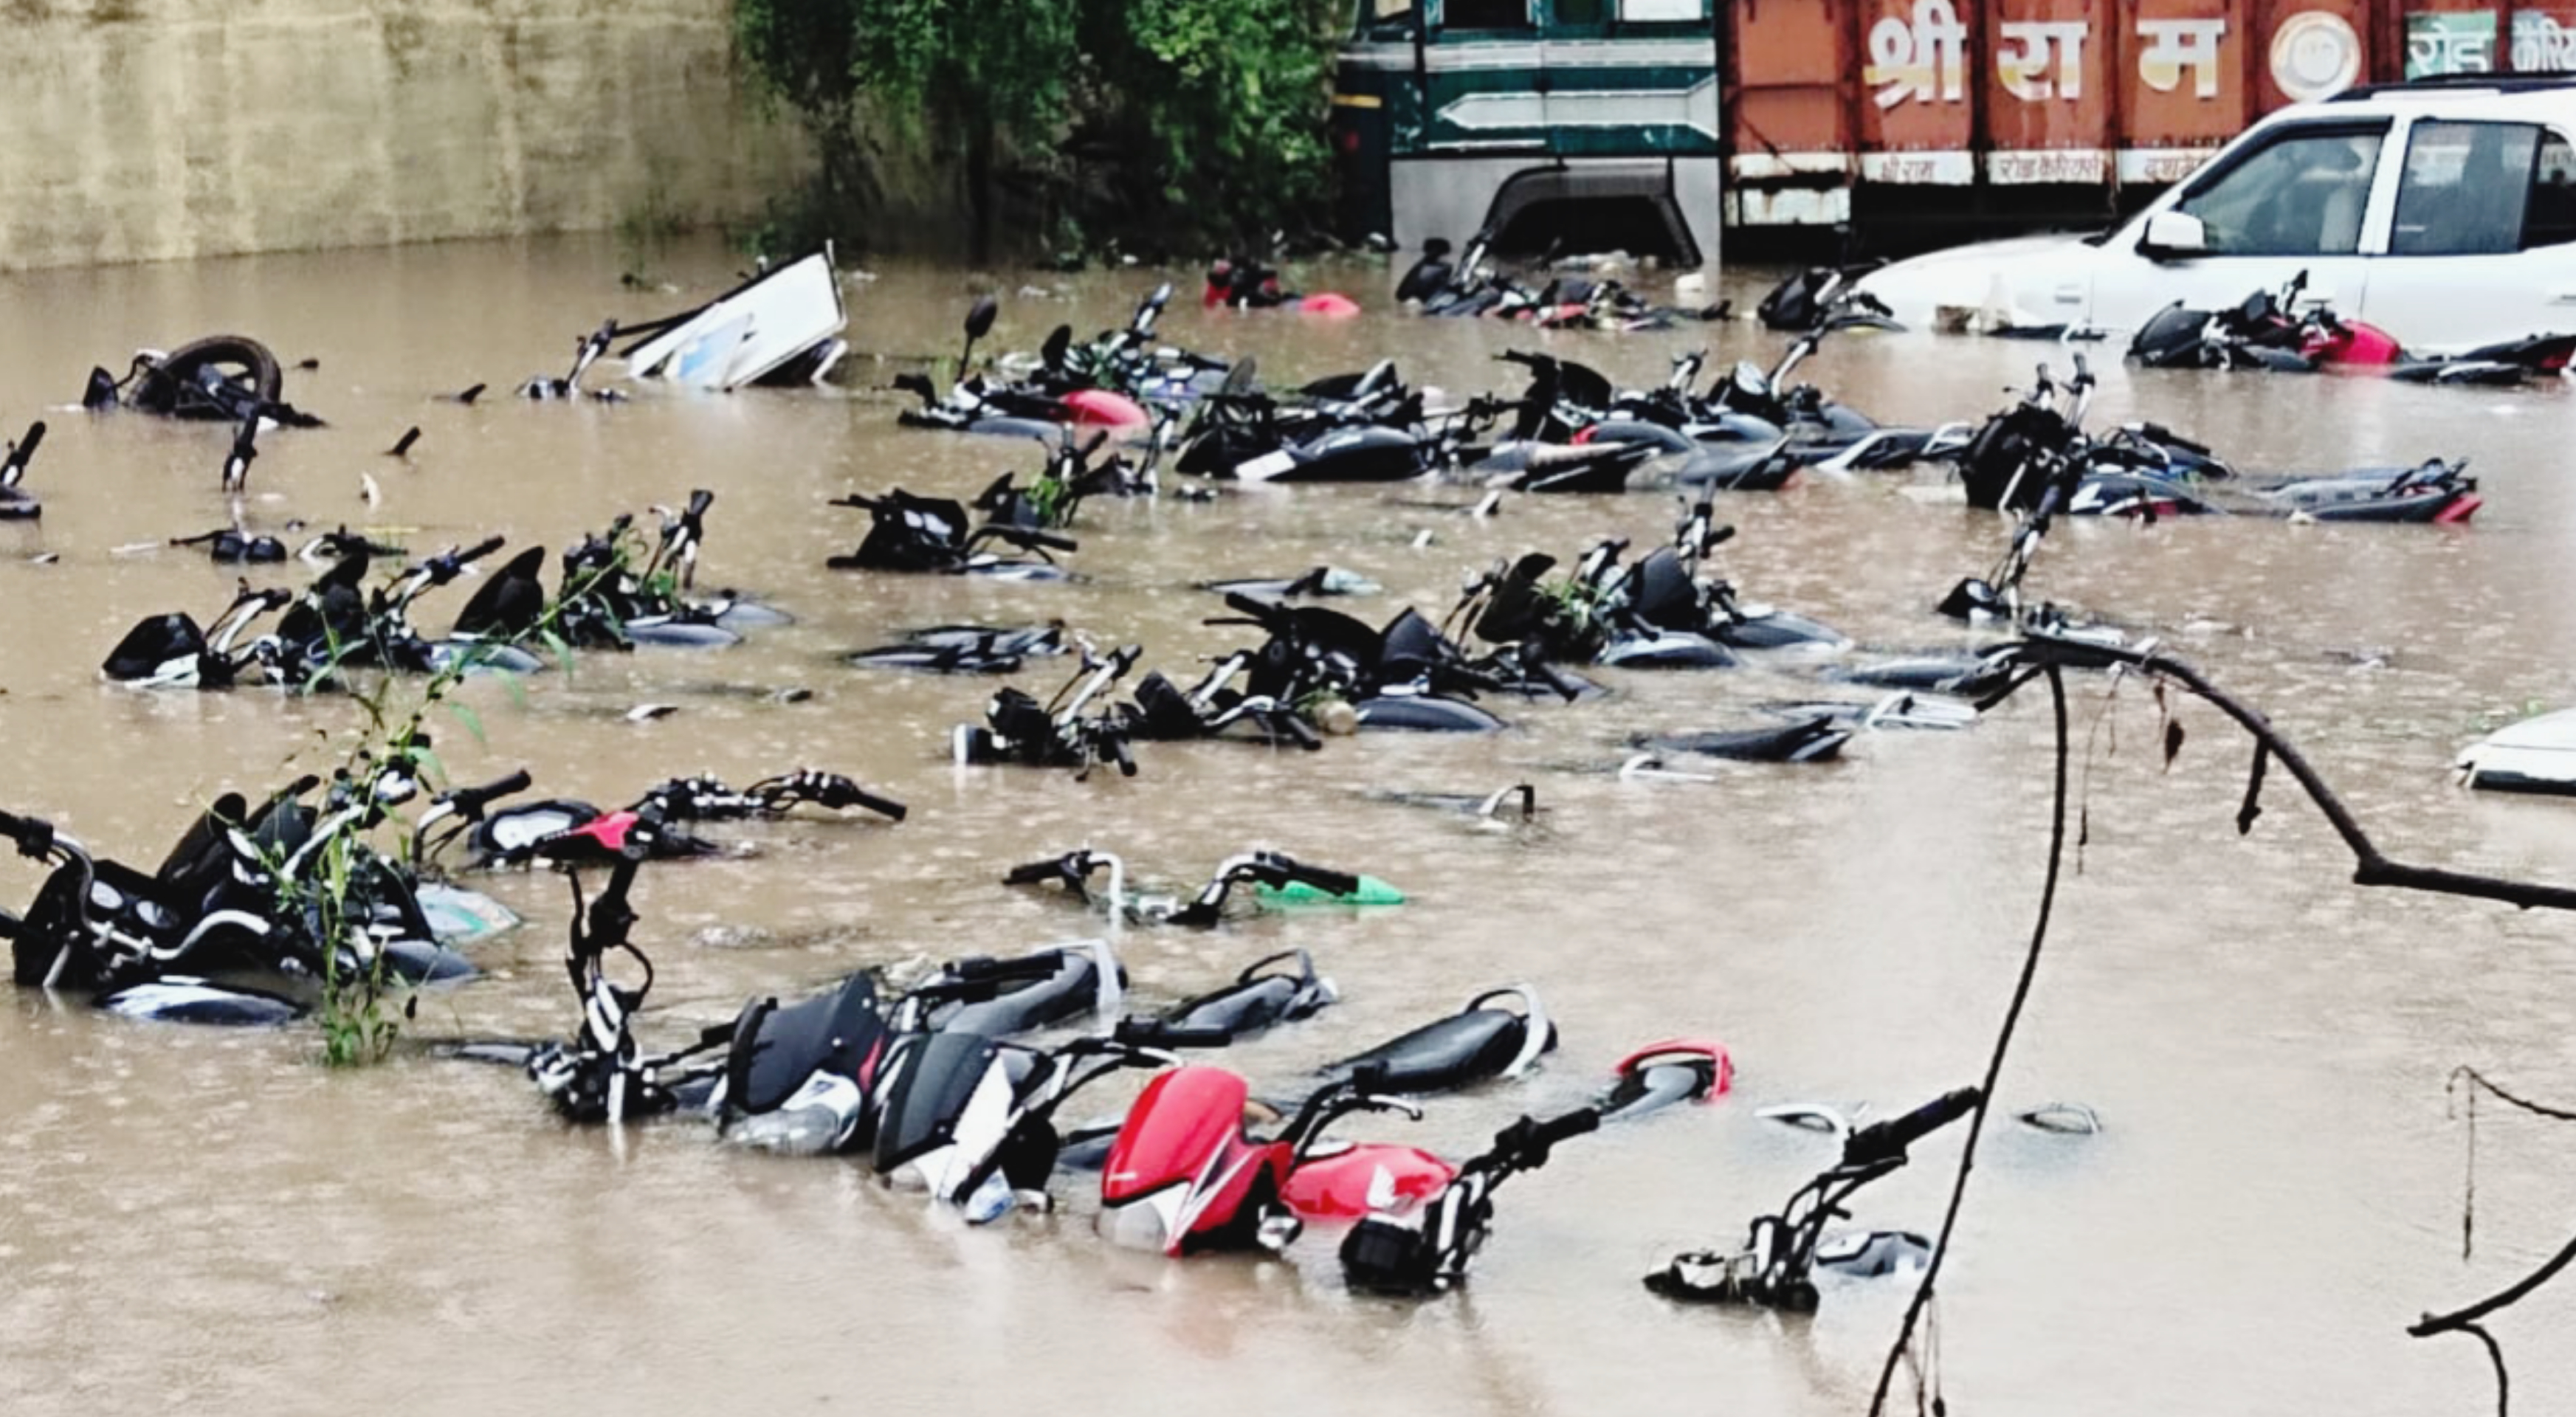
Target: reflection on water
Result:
[195, 1221]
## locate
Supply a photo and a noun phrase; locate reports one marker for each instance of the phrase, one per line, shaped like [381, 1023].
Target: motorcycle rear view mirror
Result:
[1971, 598]
[2174, 236]
[1750, 378]
[979, 320]
[1059, 342]
[1240, 379]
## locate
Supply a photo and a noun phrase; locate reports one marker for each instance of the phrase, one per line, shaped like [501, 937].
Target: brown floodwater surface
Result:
[207, 1221]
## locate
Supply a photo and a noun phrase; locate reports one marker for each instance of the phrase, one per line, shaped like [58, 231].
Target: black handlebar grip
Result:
[885, 807]
[1262, 612]
[984, 969]
[1034, 872]
[1047, 540]
[1721, 536]
[1119, 754]
[479, 550]
[1296, 730]
[1548, 674]
[1156, 1033]
[1329, 881]
[470, 801]
[1887, 1141]
[1572, 1124]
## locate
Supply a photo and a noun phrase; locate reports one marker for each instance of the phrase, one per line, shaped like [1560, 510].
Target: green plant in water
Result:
[329, 896]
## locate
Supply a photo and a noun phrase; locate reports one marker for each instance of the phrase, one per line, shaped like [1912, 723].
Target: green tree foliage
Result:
[1169, 123]
[1221, 103]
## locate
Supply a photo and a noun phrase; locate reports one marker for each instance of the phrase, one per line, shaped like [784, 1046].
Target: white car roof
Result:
[2524, 101]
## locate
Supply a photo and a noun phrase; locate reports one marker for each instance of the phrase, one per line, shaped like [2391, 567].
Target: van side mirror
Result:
[2174, 236]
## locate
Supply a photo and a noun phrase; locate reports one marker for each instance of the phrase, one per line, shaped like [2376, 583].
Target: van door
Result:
[2482, 241]
[2294, 197]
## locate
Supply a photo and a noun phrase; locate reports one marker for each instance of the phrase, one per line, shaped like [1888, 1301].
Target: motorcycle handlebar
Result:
[1887, 1141]
[1549, 675]
[1263, 612]
[1525, 1144]
[831, 789]
[1036, 871]
[34, 835]
[2170, 438]
[1155, 1033]
[969, 976]
[1329, 881]
[885, 807]
[1295, 729]
[469, 802]
[1026, 539]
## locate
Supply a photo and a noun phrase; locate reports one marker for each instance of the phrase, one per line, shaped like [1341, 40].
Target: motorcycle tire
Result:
[241, 360]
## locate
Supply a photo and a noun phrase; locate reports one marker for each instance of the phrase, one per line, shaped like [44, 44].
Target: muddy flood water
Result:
[208, 1221]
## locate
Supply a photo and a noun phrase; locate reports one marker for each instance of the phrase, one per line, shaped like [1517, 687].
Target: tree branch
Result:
[2371, 866]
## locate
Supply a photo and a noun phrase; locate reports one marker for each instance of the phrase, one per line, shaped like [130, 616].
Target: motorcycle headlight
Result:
[817, 1119]
[1149, 1222]
[800, 1131]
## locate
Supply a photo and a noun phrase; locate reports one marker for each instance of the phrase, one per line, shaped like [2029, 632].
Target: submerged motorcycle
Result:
[1107, 383]
[564, 830]
[2287, 331]
[17, 504]
[332, 627]
[1186, 1175]
[808, 1077]
[933, 534]
[1363, 427]
[614, 594]
[1244, 284]
[1065, 731]
[2146, 470]
[966, 649]
[1659, 613]
[1777, 1266]
[1276, 879]
[243, 893]
[221, 378]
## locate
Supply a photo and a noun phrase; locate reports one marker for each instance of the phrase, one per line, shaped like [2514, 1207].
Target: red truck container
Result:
[1825, 99]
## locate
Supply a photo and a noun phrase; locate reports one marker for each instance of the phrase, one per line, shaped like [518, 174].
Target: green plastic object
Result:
[1372, 891]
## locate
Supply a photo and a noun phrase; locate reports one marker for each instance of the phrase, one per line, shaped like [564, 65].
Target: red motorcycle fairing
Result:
[2350, 342]
[1101, 408]
[1182, 1175]
[1673, 1050]
[1345, 1181]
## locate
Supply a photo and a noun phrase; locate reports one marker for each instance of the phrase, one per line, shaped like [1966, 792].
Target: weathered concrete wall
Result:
[157, 129]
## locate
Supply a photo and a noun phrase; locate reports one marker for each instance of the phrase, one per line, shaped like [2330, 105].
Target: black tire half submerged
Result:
[237, 357]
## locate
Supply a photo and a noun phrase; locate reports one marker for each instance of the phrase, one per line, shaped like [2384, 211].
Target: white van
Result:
[2444, 213]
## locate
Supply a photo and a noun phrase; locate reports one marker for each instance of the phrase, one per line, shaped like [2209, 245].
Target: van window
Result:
[2464, 189]
[2301, 195]
[1485, 14]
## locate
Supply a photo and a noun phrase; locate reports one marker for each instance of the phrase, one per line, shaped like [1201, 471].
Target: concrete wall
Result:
[160, 129]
